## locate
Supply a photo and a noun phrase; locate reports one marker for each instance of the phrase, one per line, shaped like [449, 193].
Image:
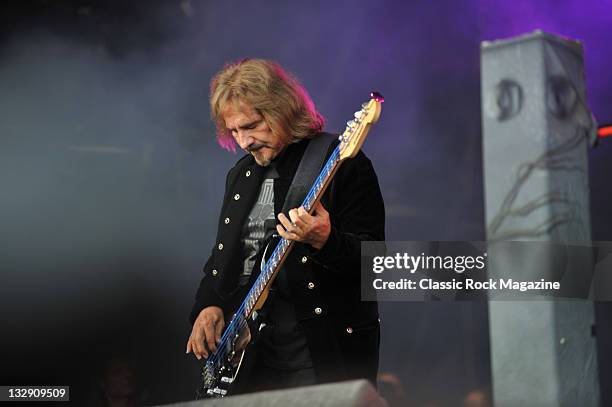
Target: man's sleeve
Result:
[206, 295]
[357, 214]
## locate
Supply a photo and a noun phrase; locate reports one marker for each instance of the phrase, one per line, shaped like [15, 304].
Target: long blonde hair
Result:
[272, 92]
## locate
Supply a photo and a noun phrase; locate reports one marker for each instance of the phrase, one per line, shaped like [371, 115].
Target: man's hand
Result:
[206, 332]
[311, 229]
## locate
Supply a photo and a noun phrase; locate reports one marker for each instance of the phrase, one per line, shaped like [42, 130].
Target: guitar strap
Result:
[308, 170]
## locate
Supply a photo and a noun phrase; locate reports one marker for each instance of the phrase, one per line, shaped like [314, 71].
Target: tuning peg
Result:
[377, 97]
[358, 114]
[351, 124]
[364, 104]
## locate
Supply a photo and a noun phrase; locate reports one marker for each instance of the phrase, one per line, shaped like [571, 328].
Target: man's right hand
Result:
[206, 332]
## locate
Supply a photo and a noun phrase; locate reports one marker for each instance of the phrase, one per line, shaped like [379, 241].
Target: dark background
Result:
[111, 179]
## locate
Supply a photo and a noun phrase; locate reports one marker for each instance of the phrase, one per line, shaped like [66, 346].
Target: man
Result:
[317, 328]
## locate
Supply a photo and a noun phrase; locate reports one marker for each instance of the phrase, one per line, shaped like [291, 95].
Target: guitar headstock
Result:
[357, 129]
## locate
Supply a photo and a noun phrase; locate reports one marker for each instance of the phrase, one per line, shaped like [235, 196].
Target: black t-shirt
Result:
[282, 343]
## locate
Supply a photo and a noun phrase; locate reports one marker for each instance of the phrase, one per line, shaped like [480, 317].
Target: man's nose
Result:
[244, 139]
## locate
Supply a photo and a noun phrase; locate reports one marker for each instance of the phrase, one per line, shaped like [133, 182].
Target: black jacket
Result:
[342, 331]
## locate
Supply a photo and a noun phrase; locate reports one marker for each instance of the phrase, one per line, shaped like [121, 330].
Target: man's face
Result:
[252, 133]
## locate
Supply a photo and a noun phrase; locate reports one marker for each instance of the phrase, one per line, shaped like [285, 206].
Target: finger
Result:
[210, 337]
[198, 342]
[301, 219]
[304, 216]
[289, 226]
[293, 215]
[320, 209]
[189, 349]
[286, 234]
[219, 329]
[283, 232]
[297, 224]
[284, 221]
